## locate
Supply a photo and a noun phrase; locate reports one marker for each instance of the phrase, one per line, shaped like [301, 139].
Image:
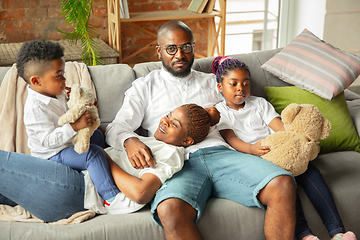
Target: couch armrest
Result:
[350, 95]
[354, 108]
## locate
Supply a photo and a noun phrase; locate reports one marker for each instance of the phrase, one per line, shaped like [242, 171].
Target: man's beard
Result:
[180, 74]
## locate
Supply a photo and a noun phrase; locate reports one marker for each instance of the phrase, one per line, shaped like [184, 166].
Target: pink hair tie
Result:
[223, 59]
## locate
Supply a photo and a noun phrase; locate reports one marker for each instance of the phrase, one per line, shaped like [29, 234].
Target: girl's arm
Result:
[241, 146]
[141, 190]
[277, 125]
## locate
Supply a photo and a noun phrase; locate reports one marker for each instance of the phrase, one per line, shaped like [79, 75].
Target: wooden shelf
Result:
[167, 15]
[215, 31]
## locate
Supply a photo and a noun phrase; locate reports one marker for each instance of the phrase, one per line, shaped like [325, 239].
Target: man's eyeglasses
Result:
[172, 49]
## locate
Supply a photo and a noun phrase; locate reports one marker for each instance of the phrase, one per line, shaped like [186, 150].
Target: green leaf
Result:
[77, 14]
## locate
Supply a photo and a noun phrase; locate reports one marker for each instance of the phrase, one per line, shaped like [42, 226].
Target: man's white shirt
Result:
[152, 97]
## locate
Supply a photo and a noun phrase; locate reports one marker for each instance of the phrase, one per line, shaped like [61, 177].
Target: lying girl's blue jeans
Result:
[94, 161]
[320, 196]
[49, 190]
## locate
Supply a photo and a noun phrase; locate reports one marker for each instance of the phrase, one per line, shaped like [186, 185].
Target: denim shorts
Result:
[218, 172]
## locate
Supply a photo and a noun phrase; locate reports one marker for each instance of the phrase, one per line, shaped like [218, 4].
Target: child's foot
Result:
[345, 236]
[121, 205]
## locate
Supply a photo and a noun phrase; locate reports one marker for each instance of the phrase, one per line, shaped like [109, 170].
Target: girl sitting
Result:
[245, 120]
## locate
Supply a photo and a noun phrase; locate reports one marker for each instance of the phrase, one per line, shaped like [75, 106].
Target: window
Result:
[251, 25]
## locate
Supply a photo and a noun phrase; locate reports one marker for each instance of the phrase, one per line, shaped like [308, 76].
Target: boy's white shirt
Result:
[169, 160]
[41, 114]
[250, 123]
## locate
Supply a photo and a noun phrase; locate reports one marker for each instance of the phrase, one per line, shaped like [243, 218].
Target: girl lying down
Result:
[186, 125]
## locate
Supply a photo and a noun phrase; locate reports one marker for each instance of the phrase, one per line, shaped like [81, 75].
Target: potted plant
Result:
[77, 14]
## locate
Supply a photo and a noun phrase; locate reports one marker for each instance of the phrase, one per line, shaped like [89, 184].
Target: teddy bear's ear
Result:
[289, 113]
[326, 128]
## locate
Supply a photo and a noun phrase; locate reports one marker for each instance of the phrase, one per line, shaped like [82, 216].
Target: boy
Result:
[41, 64]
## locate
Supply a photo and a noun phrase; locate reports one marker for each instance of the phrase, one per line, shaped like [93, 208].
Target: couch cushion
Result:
[354, 108]
[143, 69]
[343, 133]
[340, 171]
[314, 65]
[111, 82]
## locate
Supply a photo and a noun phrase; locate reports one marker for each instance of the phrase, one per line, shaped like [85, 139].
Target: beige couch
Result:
[222, 219]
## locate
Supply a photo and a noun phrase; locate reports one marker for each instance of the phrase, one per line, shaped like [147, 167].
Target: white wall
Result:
[295, 15]
[342, 26]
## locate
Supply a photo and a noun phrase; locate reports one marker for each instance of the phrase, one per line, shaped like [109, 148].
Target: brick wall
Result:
[23, 20]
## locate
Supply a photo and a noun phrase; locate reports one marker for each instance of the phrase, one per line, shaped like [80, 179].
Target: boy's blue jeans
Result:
[94, 161]
[320, 196]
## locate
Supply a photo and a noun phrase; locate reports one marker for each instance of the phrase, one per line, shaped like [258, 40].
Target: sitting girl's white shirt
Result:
[249, 123]
[169, 160]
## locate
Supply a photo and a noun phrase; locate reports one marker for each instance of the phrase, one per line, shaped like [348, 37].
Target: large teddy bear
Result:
[293, 148]
[81, 100]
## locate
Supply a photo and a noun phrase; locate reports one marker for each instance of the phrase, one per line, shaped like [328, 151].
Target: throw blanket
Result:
[13, 93]
[19, 214]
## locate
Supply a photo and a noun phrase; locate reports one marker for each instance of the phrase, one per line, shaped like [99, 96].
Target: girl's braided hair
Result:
[222, 64]
[200, 120]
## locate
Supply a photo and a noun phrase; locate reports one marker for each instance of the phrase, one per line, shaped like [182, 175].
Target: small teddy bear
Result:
[293, 148]
[81, 100]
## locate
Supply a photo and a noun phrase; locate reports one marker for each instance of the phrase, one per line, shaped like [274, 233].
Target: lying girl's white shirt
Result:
[169, 160]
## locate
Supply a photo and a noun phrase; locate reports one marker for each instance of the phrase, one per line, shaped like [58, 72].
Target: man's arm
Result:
[129, 117]
[120, 133]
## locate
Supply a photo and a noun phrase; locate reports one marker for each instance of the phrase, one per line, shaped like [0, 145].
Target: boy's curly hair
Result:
[34, 52]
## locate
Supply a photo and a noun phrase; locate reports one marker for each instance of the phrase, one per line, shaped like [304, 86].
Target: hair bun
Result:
[217, 62]
[214, 115]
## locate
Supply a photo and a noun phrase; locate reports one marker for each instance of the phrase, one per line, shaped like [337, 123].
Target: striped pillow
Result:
[314, 65]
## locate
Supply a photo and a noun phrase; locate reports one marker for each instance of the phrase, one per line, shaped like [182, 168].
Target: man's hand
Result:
[258, 150]
[138, 153]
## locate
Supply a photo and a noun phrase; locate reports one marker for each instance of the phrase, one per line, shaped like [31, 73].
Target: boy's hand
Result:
[258, 150]
[85, 120]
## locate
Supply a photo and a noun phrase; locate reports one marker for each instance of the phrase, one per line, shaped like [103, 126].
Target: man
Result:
[211, 164]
